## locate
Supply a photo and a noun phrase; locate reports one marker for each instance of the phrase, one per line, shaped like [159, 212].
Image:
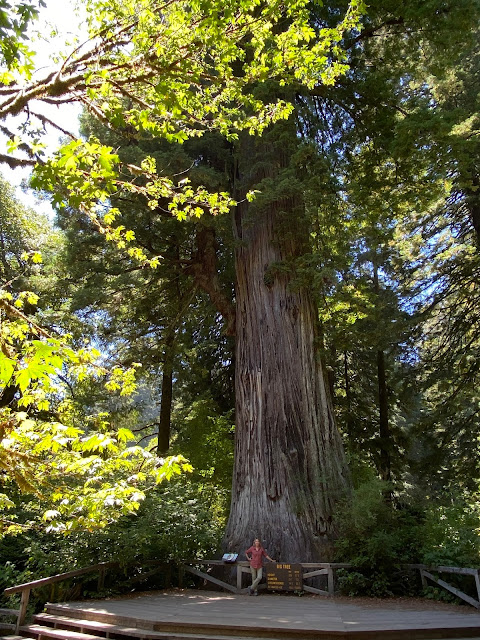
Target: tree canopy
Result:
[288, 191]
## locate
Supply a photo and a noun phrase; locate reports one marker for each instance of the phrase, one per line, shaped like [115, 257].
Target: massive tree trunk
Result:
[290, 468]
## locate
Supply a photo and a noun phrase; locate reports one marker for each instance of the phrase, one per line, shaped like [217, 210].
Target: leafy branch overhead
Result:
[86, 476]
[14, 20]
[173, 70]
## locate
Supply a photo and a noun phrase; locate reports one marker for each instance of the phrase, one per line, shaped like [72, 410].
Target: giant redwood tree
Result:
[186, 68]
[290, 467]
[175, 70]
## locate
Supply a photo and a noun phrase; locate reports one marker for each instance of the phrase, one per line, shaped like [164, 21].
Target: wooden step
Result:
[207, 627]
[98, 616]
[109, 630]
[40, 631]
[104, 629]
[175, 629]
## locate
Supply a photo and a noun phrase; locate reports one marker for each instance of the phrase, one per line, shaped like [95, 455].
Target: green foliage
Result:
[88, 171]
[450, 537]
[209, 59]
[176, 521]
[23, 233]
[377, 539]
[15, 54]
[206, 437]
[450, 533]
[85, 479]
[189, 67]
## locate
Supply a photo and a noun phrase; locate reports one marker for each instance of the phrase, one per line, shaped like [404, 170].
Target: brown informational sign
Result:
[284, 577]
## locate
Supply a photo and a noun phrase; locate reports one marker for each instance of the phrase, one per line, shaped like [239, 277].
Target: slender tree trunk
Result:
[204, 268]
[348, 392]
[5, 273]
[167, 394]
[385, 463]
[290, 468]
[7, 396]
[385, 440]
[473, 204]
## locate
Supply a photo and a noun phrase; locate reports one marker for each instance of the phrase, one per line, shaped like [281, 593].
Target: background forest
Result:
[374, 181]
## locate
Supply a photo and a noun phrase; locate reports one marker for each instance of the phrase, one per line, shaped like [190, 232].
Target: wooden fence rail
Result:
[316, 569]
[26, 588]
[425, 572]
[328, 569]
[309, 570]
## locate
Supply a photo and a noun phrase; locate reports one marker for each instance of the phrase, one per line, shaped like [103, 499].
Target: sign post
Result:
[284, 577]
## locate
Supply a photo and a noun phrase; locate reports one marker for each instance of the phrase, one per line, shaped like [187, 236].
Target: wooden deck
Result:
[215, 614]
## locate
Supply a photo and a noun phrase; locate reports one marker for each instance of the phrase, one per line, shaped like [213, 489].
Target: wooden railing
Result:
[26, 588]
[328, 569]
[315, 569]
[425, 573]
[100, 568]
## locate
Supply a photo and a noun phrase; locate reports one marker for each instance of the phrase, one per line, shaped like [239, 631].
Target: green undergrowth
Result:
[380, 532]
[177, 521]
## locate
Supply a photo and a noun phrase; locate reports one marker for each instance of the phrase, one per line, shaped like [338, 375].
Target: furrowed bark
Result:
[290, 468]
[204, 269]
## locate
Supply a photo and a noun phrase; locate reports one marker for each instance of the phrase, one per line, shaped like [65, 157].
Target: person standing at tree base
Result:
[257, 553]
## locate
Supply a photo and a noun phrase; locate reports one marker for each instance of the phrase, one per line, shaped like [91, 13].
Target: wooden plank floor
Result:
[308, 617]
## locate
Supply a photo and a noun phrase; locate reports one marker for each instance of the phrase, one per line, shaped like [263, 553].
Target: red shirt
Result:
[256, 555]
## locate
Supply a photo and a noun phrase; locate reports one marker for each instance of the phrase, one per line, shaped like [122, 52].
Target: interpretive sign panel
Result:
[284, 577]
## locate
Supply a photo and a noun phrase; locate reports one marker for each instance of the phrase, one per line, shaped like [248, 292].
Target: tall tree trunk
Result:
[385, 439]
[163, 444]
[473, 205]
[385, 463]
[348, 393]
[290, 468]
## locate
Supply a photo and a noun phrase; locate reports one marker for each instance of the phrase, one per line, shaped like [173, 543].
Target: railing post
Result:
[23, 609]
[477, 583]
[331, 581]
[239, 577]
[423, 578]
[181, 575]
[101, 579]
